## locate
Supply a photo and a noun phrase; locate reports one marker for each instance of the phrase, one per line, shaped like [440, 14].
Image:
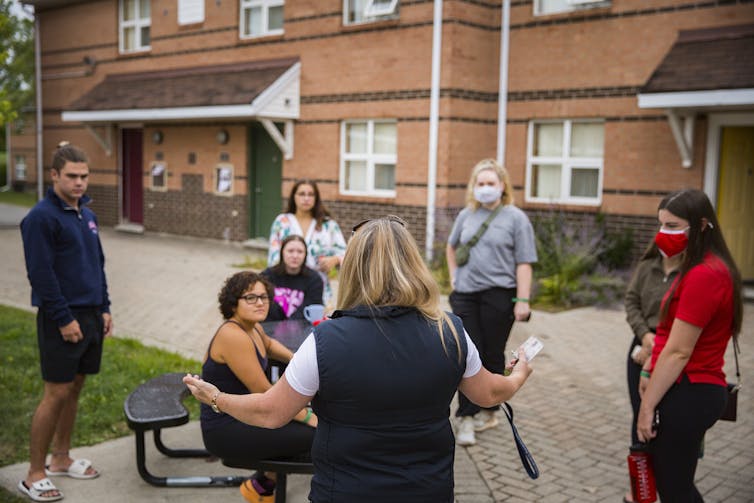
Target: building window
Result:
[261, 17]
[190, 11]
[20, 167]
[565, 162]
[544, 7]
[159, 175]
[224, 179]
[135, 21]
[367, 11]
[368, 156]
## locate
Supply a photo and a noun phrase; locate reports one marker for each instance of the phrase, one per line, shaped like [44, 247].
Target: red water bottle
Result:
[642, 475]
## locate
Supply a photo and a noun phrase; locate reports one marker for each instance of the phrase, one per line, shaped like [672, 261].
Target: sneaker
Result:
[251, 495]
[485, 420]
[465, 434]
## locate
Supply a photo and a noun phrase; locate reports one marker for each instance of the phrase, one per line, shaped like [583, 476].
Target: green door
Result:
[265, 181]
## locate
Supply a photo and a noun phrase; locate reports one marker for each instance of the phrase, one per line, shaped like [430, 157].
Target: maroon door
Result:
[133, 180]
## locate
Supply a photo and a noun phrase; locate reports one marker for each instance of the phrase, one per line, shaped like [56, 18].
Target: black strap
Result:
[737, 350]
[529, 465]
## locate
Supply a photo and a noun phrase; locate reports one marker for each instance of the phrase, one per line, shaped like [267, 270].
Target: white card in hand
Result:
[531, 347]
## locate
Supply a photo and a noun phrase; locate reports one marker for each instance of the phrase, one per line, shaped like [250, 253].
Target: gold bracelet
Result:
[213, 404]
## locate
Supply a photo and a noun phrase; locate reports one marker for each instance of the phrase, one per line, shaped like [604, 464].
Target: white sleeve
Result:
[473, 362]
[302, 372]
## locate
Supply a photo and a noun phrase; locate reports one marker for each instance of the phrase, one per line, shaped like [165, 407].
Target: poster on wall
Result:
[159, 176]
[224, 179]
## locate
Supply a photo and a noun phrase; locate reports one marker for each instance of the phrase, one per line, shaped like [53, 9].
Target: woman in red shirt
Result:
[683, 386]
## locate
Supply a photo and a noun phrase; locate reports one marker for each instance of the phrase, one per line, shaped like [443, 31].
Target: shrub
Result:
[579, 261]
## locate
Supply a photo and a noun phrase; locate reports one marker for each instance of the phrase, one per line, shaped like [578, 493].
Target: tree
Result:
[16, 62]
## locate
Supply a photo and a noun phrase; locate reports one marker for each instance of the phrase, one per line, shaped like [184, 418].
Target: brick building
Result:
[199, 115]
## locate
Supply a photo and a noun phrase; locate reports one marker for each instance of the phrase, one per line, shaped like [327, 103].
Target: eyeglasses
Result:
[253, 298]
[389, 218]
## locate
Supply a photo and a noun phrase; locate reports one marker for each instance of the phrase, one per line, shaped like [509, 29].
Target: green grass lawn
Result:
[26, 199]
[126, 363]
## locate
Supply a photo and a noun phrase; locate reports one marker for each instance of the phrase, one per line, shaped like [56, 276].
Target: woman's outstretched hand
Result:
[201, 389]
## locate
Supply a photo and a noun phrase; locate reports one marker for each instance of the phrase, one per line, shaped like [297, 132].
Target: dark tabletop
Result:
[290, 333]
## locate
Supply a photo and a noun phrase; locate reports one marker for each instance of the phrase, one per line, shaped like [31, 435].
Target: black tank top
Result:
[226, 381]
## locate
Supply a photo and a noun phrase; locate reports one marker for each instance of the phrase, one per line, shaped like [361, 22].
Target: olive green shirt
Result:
[644, 296]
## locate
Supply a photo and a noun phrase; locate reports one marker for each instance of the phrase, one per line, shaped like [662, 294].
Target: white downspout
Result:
[38, 85]
[502, 96]
[434, 122]
[8, 158]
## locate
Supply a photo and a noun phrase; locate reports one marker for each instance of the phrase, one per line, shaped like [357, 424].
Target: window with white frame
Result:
[190, 11]
[261, 17]
[368, 155]
[565, 161]
[134, 20]
[20, 167]
[544, 7]
[367, 11]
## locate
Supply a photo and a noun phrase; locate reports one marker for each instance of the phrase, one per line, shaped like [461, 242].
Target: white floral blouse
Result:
[325, 242]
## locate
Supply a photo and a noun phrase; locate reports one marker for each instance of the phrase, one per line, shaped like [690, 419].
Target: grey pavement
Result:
[11, 215]
[573, 413]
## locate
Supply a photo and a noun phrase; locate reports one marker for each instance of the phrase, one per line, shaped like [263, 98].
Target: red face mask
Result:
[670, 242]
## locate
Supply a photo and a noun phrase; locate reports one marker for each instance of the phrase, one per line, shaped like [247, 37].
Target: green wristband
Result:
[308, 416]
[520, 299]
[645, 373]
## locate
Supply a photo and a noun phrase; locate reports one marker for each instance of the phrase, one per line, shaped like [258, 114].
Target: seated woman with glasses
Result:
[237, 357]
[296, 285]
[381, 373]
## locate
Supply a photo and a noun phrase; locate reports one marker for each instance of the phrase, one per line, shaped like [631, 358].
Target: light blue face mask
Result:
[487, 194]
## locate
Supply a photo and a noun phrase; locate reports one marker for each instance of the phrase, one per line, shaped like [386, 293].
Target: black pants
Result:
[238, 440]
[633, 371]
[488, 318]
[687, 411]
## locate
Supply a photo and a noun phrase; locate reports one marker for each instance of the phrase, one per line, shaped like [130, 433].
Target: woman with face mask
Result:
[653, 275]
[682, 385]
[491, 289]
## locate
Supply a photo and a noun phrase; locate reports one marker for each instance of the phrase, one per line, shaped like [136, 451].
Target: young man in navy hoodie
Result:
[65, 266]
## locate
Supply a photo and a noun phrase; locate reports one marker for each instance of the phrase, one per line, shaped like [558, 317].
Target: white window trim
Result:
[190, 12]
[372, 10]
[566, 162]
[573, 6]
[138, 23]
[369, 157]
[265, 4]
[20, 168]
[380, 13]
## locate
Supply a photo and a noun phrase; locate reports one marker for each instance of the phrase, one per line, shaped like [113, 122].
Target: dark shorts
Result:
[60, 360]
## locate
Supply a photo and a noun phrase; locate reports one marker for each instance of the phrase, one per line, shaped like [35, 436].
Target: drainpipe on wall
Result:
[38, 85]
[434, 121]
[502, 96]
[8, 157]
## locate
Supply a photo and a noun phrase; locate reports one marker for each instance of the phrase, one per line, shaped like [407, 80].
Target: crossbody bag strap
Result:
[737, 350]
[526, 459]
[483, 227]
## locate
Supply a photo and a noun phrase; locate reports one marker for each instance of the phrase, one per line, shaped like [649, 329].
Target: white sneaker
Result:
[485, 420]
[465, 434]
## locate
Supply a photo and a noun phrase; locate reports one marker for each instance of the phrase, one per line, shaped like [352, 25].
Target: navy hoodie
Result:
[64, 259]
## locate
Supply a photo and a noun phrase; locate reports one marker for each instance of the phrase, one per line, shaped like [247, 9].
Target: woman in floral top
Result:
[308, 217]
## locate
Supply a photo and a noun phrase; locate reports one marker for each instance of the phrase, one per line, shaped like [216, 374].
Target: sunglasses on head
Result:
[389, 218]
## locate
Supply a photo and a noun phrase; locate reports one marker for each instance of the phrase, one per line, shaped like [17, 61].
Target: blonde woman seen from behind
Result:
[381, 375]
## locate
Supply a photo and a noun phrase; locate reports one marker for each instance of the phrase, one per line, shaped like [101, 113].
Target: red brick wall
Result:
[587, 64]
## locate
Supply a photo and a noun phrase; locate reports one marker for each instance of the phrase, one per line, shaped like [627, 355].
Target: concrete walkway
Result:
[573, 413]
